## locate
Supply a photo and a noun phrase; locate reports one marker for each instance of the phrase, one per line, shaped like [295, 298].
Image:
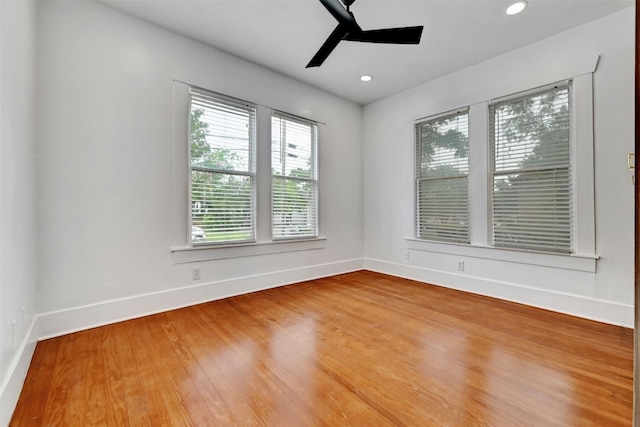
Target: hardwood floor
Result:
[360, 349]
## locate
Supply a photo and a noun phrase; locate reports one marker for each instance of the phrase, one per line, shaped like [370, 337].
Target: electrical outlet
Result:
[460, 265]
[195, 273]
[405, 255]
[14, 331]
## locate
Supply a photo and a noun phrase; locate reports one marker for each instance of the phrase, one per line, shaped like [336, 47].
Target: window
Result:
[530, 170]
[531, 178]
[294, 177]
[442, 186]
[222, 163]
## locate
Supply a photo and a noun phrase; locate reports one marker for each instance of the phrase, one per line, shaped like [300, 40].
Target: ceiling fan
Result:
[348, 29]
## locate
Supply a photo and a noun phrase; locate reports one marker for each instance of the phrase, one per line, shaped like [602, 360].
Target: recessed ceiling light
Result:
[516, 7]
[366, 78]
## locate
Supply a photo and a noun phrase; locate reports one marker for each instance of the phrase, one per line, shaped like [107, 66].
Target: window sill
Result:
[577, 262]
[185, 255]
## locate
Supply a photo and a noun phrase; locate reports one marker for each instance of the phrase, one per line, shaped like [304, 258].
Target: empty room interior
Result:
[317, 212]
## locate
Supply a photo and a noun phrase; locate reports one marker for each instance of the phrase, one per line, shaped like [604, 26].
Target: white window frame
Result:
[250, 173]
[181, 248]
[420, 179]
[312, 180]
[566, 85]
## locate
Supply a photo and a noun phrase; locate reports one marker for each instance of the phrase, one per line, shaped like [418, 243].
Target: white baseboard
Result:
[12, 385]
[610, 312]
[75, 319]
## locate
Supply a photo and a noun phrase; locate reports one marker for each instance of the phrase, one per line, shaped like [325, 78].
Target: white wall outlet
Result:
[195, 273]
[14, 331]
[460, 265]
[405, 255]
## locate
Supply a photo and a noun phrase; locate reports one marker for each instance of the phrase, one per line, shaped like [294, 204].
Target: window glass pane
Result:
[443, 209]
[222, 206]
[294, 208]
[532, 132]
[444, 146]
[221, 135]
[291, 148]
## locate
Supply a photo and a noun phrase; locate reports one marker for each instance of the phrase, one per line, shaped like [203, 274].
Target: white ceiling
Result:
[283, 35]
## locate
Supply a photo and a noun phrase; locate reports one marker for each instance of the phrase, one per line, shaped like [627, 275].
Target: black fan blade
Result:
[339, 12]
[405, 35]
[332, 41]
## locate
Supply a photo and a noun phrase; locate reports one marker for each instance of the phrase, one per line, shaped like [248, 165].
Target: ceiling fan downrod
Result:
[347, 3]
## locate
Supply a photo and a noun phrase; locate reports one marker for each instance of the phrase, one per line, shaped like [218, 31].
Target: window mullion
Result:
[263, 172]
[479, 193]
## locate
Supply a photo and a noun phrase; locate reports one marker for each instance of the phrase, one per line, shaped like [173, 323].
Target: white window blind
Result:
[294, 177]
[222, 161]
[442, 186]
[530, 166]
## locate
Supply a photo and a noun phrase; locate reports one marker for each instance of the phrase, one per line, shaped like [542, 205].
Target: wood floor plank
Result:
[66, 389]
[155, 403]
[37, 385]
[213, 369]
[95, 390]
[357, 349]
[169, 378]
[120, 384]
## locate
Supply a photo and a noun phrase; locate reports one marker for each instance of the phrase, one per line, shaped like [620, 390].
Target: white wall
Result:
[607, 293]
[17, 198]
[111, 191]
